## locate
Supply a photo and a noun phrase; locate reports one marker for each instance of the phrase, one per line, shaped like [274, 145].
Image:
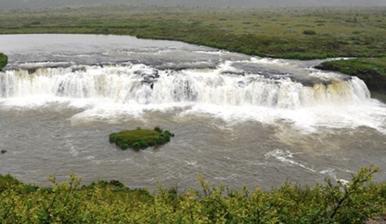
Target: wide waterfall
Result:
[141, 84]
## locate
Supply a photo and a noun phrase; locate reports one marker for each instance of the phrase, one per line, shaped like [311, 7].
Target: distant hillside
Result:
[17, 4]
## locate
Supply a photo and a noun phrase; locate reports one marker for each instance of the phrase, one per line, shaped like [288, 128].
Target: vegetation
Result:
[370, 70]
[140, 138]
[283, 33]
[309, 32]
[112, 202]
[3, 61]
[296, 34]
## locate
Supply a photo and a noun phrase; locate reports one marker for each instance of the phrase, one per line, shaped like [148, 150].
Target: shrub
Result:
[3, 61]
[112, 202]
[309, 32]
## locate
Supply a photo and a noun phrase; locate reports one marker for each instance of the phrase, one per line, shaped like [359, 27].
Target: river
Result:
[239, 120]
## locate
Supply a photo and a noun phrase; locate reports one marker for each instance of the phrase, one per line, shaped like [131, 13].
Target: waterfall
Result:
[141, 84]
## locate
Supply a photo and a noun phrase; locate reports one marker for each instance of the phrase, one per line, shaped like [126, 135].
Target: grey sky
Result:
[8, 4]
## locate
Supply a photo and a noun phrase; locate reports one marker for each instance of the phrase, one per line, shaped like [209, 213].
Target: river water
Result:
[239, 120]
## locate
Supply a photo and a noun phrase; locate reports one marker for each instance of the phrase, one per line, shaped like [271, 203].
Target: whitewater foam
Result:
[226, 92]
[287, 158]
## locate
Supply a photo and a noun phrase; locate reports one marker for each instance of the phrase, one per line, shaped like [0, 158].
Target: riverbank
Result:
[112, 202]
[279, 33]
[3, 61]
[371, 70]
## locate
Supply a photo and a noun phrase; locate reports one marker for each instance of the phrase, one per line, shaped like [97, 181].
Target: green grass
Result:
[282, 33]
[140, 138]
[359, 65]
[112, 202]
[371, 70]
[3, 61]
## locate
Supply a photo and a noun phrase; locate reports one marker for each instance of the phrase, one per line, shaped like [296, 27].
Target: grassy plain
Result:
[282, 33]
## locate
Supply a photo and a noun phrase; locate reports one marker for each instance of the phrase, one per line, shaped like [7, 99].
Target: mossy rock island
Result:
[3, 61]
[139, 138]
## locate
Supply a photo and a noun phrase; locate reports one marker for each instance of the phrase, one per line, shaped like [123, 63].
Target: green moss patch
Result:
[140, 138]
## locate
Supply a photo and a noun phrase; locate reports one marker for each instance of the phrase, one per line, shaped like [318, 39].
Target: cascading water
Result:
[227, 92]
[142, 84]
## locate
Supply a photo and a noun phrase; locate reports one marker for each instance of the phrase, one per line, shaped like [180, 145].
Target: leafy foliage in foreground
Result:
[140, 138]
[3, 61]
[111, 202]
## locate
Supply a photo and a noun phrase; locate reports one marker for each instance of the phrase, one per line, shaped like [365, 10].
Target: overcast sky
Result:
[7, 4]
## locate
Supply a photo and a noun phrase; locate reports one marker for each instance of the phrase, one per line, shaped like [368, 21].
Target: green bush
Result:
[158, 129]
[3, 61]
[112, 202]
[140, 138]
[309, 32]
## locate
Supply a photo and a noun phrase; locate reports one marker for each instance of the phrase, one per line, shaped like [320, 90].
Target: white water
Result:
[132, 89]
[128, 85]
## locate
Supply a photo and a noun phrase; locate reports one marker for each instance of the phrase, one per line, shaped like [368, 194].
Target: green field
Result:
[282, 33]
[111, 202]
[354, 66]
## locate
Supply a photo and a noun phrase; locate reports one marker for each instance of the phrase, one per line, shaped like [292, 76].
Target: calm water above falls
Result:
[238, 119]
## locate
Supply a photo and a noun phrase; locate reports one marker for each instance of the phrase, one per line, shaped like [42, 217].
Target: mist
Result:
[34, 4]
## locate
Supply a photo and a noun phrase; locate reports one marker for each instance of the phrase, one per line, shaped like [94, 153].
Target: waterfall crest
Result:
[143, 84]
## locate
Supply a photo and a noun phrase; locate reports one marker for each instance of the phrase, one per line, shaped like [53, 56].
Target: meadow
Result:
[280, 33]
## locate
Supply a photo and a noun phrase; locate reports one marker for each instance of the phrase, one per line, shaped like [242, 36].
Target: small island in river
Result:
[3, 60]
[140, 138]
